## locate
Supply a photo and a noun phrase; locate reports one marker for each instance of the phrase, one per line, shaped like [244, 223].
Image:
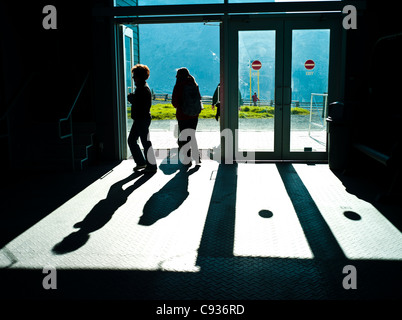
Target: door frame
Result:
[229, 72]
[335, 73]
[237, 24]
[283, 24]
[122, 32]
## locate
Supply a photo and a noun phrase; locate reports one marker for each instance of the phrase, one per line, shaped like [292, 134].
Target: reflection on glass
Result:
[256, 90]
[310, 67]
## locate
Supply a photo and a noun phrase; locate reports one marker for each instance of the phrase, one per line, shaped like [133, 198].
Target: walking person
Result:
[186, 98]
[141, 101]
[255, 99]
[216, 102]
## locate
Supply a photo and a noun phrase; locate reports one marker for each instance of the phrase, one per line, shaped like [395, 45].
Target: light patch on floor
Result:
[266, 222]
[360, 229]
[120, 241]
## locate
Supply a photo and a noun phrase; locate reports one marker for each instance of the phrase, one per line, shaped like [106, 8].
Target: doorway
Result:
[127, 55]
[285, 73]
[194, 45]
[291, 63]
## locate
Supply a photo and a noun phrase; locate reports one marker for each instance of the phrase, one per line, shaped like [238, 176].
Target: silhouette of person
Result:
[216, 102]
[255, 98]
[172, 195]
[187, 124]
[101, 213]
[141, 101]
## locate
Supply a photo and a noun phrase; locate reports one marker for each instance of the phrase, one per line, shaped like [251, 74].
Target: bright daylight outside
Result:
[196, 46]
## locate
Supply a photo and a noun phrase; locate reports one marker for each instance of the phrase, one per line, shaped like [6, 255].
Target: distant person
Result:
[216, 102]
[186, 89]
[255, 99]
[141, 101]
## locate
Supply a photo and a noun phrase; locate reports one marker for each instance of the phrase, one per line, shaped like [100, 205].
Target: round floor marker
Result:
[265, 214]
[352, 215]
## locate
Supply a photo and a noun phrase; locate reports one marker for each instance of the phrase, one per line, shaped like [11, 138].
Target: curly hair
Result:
[141, 70]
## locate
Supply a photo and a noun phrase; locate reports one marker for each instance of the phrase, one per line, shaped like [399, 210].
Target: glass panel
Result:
[310, 67]
[256, 79]
[128, 63]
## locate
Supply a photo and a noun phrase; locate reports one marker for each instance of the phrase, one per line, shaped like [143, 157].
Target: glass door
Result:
[309, 79]
[257, 67]
[257, 119]
[288, 71]
[312, 72]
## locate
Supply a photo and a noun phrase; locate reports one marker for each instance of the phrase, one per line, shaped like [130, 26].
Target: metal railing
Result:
[69, 119]
[324, 111]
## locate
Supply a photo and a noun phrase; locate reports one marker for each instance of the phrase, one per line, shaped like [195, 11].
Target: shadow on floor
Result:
[222, 275]
[101, 213]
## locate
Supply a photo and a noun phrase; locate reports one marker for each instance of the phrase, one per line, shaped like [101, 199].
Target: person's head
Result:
[140, 72]
[184, 74]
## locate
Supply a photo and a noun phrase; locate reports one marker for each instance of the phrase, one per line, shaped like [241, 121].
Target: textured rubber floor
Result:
[240, 231]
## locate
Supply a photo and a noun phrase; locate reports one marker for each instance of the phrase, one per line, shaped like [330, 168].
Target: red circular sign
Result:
[256, 65]
[309, 64]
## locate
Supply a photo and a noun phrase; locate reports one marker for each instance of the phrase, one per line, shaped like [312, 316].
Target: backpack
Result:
[192, 104]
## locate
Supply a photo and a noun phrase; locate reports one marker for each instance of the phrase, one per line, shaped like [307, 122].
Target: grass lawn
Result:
[166, 111]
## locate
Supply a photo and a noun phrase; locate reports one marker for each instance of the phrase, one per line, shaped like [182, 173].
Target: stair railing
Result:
[68, 119]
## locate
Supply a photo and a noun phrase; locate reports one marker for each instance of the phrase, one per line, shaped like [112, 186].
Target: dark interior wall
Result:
[59, 61]
[60, 56]
[373, 81]
[376, 21]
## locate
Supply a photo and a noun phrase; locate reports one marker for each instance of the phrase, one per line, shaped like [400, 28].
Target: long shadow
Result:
[101, 213]
[43, 192]
[218, 235]
[170, 197]
[368, 187]
[319, 236]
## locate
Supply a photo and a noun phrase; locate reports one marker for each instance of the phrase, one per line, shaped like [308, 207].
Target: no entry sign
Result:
[309, 64]
[256, 65]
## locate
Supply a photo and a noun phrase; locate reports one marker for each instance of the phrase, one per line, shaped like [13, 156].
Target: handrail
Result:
[76, 98]
[18, 95]
[69, 118]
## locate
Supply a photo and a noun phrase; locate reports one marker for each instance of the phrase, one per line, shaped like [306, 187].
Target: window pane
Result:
[256, 90]
[310, 70]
